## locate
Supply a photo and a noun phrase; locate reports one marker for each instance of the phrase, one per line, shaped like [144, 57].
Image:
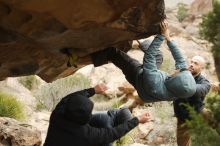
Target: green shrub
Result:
[28, 81]
[51, 93]
[182, 12]
[117, 103]
[10, 107]
[210, 30]
[122, 141]
[40, 106]
[210, 27]
[213, 103]
[201, 133]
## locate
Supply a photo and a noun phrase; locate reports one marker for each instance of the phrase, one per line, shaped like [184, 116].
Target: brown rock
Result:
[126, 88]
[215, 87]
[32, 33]
[14, 133]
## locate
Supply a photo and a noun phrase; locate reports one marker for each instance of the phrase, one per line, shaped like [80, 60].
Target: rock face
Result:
[40, 120]
[13, 133]
[161, 129]
[32, 33]
[200, 7]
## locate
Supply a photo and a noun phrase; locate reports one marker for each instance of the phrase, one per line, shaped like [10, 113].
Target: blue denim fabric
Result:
[110, 119]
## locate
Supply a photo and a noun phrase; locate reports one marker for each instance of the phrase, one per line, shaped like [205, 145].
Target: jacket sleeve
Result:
[177, 55]
[100, 136]
[203, 88]
[149, 61]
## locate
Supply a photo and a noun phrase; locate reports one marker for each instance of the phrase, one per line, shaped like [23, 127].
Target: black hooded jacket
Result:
[69, 123]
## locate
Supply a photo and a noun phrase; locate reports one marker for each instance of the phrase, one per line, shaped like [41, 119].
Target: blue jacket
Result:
[154, 85]
[196, 101]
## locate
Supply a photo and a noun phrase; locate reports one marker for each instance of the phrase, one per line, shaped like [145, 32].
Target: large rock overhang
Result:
[33, 32]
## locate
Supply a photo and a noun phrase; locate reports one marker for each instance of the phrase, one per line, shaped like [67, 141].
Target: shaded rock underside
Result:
[33, 32]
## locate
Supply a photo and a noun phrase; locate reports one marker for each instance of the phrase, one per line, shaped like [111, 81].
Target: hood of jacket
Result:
[183, 85]
[78, 109]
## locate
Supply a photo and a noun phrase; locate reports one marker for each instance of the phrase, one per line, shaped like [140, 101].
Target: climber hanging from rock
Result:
[151, 84]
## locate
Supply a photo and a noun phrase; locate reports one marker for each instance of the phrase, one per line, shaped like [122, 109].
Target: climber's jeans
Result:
[110, 119]
[129, 66]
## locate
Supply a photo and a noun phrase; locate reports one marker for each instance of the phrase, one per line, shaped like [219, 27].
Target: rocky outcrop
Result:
[192, 22]
[161, 129]
[13, 133]
[200, 7]
[32, 33]
[40, 120]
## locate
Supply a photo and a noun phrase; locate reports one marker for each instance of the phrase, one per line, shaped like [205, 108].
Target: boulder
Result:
[40, 120]
[33, 33]
[200, 7]
[192, 22]
[14, 133]
[176, 28]
[162, 127]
